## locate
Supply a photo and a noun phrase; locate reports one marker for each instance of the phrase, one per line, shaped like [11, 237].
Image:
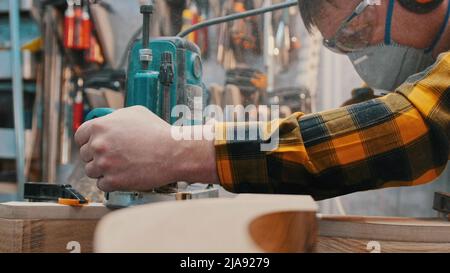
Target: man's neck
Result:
[444, 43]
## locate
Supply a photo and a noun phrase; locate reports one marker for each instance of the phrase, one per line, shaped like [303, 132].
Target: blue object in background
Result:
[145, 85]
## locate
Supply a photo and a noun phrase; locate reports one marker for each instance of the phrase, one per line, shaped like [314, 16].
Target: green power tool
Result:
[163, 73]
[167, 71]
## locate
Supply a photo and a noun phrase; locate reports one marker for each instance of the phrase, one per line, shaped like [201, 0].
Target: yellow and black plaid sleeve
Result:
[398, 140]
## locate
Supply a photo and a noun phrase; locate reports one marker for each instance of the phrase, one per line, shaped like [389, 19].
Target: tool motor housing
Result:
[144, 86]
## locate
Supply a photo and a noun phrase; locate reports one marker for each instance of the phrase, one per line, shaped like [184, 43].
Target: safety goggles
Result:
[355, 32]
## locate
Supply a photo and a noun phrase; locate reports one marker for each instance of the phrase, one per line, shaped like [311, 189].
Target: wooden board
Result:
[46, 236]
[27, 210]
[347, 245]
[389, 234]
[48, 227]
[248, 223]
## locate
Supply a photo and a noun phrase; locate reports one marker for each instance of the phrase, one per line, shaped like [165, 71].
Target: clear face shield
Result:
[356, 31]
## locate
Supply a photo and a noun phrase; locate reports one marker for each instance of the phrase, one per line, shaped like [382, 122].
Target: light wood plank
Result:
[28, 210]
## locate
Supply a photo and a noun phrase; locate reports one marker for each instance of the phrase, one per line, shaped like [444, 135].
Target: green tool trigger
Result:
[98, 113]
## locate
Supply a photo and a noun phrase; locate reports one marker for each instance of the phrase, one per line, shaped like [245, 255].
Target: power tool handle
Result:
[98, 113]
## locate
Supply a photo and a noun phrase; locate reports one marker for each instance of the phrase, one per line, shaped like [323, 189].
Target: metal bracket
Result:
[117, 200]
[442, 204]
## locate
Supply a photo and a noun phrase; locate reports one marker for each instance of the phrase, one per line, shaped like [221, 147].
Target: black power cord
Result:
[237, 16]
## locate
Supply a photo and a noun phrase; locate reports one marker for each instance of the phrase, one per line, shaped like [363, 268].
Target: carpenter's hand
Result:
[133, 150]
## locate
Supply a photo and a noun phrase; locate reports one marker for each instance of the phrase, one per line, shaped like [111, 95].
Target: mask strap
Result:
[441, 31]
[388, 28]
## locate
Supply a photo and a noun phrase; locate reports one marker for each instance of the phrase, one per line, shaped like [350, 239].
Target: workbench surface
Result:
[49, 227]
[383, 234]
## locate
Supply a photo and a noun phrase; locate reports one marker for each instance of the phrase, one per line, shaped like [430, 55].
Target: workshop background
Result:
[59, 59]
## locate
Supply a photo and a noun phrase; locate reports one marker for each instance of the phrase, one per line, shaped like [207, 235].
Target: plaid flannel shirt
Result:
[401, 139]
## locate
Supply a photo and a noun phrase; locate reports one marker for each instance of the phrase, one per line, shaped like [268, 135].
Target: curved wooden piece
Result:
[248, 223]
[285, 232]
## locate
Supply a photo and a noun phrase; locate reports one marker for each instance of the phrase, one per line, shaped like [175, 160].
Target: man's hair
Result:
[310, 11]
